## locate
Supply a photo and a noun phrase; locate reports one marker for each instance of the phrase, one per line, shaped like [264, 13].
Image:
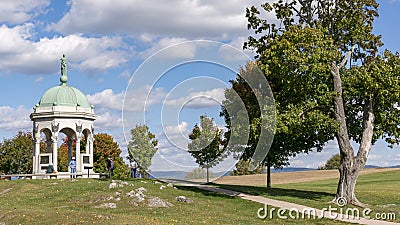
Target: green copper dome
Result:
[63, 95]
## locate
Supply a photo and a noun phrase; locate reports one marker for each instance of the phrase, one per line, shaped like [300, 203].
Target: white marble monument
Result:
[63, 109]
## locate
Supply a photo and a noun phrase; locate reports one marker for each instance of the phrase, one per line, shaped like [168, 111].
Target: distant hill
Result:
[371, 166]
[180, 175]
[397, 166]
[291, 169]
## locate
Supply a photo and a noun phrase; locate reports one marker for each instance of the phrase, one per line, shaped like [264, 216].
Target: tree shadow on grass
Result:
[281, 192]
[204, 192]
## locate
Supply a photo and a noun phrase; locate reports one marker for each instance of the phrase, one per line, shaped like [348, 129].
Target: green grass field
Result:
[379, 190]
[64, 202]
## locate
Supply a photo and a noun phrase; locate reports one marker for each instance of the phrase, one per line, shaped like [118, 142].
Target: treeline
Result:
[16, 154]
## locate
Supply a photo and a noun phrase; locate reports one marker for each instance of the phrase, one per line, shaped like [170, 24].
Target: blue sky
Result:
[107, 41]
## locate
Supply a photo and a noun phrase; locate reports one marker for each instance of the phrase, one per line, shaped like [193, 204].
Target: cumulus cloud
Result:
[141, 99]
[16, 12]
[133, 100]
[106, 99]
[18, 53]
[200, 18]
[187, 51]
[201, 99]
[175, 136]
[12, 119]
[106, 121]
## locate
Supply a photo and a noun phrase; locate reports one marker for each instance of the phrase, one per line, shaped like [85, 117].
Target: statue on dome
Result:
[63, 66]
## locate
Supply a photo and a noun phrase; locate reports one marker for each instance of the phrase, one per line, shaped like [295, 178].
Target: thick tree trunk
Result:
[208, 179]
[268, 174]
[349, 172]
[350, 165]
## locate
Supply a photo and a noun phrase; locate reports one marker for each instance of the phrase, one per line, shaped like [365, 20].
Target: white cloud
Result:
[175, 136]
[142, 98]
[201, 99]
[189, 18]
[185, 51]
[16, 12]
[135, 100]
[106, 121]
[106, 99]
[20, 54]
[125, 74]
[13, 119]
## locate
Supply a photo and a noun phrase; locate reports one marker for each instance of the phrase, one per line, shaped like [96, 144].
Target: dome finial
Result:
[64, 77]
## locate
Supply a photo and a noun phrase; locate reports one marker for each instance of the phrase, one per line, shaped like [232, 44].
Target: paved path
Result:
[286, 205]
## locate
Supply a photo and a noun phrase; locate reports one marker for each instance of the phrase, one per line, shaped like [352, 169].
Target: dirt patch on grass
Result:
[5, 191]
[290, 177]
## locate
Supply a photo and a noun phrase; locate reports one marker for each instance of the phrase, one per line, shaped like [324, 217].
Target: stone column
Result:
[55, 153]
[78, 156]
[36, 151]
[91, 150]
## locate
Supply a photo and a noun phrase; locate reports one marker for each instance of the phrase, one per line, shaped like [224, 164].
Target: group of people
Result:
[133, 165]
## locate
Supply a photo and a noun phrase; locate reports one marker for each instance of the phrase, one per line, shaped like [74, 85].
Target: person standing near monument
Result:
[134, 167]
[72, 166]
[110, 166]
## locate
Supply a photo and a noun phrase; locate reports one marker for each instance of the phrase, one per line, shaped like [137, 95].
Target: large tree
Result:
[322, 60]
[206, 145]
[288, 139]
[142, 147]
[105, 147]
[16, 154]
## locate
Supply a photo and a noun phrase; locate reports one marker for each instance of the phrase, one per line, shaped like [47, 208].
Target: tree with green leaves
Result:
[105, 147]
[322, 61]
[206, 145]
[16, 154]
[142, 147]
[331, 163]
[243, 167]
[288, 139]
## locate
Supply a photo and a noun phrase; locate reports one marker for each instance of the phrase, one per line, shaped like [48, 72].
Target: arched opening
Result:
[86, 151]
[45, 141]
[66, 148]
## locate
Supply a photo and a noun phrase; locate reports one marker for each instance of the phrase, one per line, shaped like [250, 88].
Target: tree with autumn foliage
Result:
[105, 147]
[322, 62]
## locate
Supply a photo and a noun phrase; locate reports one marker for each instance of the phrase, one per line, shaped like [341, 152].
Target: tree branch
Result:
[346, 57]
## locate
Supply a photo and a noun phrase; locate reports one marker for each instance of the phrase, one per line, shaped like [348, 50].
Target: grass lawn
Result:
[55, 201]
[379, 190]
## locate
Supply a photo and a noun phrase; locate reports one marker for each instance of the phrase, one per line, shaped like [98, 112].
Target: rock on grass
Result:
[156, 202]
[183, 199]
